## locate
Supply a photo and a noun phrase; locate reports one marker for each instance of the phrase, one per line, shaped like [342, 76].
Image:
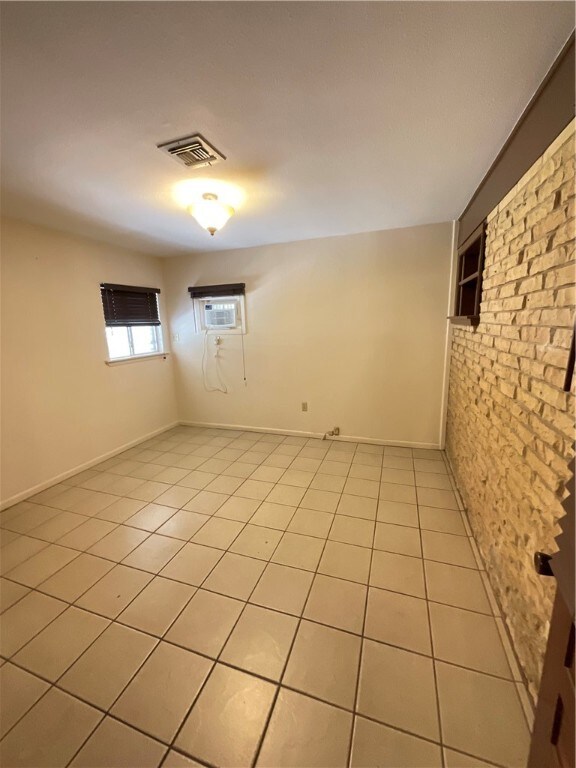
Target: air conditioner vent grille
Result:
[219, 317]
[192, 151]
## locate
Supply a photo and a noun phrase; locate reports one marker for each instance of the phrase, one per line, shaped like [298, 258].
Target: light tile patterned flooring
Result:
[236, 599]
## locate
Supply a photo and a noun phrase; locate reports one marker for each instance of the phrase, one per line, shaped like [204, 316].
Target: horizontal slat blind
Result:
[229, 289]
[129, 305]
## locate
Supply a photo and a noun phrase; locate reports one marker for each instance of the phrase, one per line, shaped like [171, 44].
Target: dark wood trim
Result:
[555, 689]
[469, 278]
[553, 734]
[548, 113]
[470, 254]
[227, 289]
[464, 319]
[128, 288]
[462, 246]
[570, 366]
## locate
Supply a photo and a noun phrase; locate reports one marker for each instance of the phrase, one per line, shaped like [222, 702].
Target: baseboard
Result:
[301, 433]
[244, 428]
[23, 495]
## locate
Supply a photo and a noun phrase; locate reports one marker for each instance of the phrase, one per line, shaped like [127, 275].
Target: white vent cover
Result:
[192, 151]
[220, 315]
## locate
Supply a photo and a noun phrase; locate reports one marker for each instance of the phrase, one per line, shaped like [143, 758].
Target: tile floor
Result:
[225, 598]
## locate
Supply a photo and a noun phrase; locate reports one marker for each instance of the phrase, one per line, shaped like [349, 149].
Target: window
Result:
[132, 320]
[219, 308]
[469, 279]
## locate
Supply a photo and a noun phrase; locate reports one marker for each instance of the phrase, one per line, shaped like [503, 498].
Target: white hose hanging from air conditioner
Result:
[222, 388]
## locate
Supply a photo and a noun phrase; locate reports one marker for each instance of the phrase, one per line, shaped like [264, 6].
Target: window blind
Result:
[230, 289]
[129, 305]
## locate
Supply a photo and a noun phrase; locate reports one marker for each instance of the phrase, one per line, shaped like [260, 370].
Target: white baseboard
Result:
[300, 433]
[81, 467]
[244, 428]
[23, 495]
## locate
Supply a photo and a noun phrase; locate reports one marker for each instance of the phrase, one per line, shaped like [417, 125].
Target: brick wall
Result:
[510, 425]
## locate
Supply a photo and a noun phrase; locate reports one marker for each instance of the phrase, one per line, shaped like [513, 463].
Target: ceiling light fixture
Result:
[210, 212]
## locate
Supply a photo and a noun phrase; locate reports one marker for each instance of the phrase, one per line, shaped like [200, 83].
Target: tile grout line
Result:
[157, 574]
[153, 575]
[111, 621]
[246, 602]
[509, 647]
[239, 669]
[362, 643]
[431, 638]
[136, 672]
[291, 648]
[217, 660]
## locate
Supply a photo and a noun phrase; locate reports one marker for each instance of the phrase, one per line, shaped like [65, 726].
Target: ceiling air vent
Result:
[192, 151]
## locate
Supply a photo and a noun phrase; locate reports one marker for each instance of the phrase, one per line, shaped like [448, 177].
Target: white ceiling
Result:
[336, 117]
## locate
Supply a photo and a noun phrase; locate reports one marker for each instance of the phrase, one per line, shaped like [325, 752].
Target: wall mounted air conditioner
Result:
[224, 314]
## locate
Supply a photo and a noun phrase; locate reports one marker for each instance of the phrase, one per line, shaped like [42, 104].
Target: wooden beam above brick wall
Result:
[548, 113]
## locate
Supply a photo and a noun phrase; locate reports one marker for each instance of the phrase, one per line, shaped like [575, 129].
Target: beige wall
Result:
[355, 326]
[61, 405]
[510, 426]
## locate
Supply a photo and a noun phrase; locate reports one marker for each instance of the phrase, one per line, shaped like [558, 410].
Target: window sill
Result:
[464, 319]
[135, 358]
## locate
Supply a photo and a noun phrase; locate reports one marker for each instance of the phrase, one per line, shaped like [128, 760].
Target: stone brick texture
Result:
[510, 427]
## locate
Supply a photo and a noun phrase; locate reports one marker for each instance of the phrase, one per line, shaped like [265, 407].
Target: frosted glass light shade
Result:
[210, 213]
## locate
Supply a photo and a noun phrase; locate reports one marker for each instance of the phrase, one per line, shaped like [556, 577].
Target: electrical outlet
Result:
[175, 337]
[304, 406]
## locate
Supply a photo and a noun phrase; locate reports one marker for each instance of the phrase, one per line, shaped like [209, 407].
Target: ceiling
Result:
[336, 117]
